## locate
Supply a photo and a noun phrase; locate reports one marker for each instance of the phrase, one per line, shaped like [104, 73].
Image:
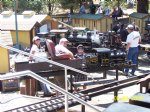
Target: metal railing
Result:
[43, 80]
[39, 78]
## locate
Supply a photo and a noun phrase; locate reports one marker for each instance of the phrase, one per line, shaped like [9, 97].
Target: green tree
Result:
[35, 5]
[22, 5]
[6, 4]
[50, 5]
[72, 4]
[114, 3]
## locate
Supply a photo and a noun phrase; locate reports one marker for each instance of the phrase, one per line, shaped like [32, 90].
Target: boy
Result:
[80, 55]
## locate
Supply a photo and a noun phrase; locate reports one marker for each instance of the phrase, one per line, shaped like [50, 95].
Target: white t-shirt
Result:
[99, 10]
[60, 49]
[38, 53]
[35, 49]
[133, 38]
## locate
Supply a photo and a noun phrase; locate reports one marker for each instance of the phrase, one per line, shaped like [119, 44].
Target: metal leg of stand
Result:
[71, 84]
[116, 91]
[117, 74]
[116, 96]
[83, 108]
[104, 75]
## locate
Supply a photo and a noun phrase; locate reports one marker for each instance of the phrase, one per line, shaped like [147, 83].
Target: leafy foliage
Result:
[72, 4]
[35, 5]
[49, 5]
[22, 5]
[6, 4]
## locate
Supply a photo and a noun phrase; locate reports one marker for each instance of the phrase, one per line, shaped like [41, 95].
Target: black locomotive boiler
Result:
[107, 57]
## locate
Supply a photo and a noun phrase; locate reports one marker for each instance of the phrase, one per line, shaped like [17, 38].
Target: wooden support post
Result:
[29, 87]
[83, 108]
[71, 83]
[116, 96]
[116, 91]
[104, 75]
[117, 74]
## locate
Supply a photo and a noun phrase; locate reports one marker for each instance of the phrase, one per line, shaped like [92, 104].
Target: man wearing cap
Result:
[61, 48]
[133, 40]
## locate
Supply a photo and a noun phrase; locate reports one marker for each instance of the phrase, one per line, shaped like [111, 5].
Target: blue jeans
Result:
[132, 56]
[45, 88]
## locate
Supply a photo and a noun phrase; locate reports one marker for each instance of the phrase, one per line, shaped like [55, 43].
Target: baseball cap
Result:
[35, 38]
[63, 40]
[80, 46]
[130, 27]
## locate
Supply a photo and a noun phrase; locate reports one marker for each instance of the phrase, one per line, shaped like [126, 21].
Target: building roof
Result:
[25, 23]
[88, 16]
[138, 15]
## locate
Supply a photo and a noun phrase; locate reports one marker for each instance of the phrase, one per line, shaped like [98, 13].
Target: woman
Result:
[35, 49]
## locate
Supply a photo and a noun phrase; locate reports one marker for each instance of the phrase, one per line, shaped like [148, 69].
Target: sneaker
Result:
[50, 94]
[132, 74]
[127, 75]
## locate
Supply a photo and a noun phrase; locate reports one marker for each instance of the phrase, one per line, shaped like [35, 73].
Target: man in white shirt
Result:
[61, 48]
[133, 40]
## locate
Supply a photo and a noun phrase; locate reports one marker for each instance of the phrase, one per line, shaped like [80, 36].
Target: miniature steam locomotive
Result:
[103, 57]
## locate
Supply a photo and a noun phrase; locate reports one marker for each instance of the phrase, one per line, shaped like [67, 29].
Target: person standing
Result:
[116, 27]
[82, 8]
[92, 8]
[119, 12]
[107, 11]
[114, 14]
[99, 10]
[123, 33]
[133, 40]
[136, 27]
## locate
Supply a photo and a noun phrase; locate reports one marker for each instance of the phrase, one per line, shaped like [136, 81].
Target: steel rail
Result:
[113, 86]
[43, 80]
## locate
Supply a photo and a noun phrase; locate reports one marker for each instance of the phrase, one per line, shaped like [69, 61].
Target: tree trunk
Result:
[49, 8]
[142, 6]
[71, 10]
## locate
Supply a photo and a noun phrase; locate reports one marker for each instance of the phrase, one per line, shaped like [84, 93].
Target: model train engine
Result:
[107, 57]
[89, 39]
